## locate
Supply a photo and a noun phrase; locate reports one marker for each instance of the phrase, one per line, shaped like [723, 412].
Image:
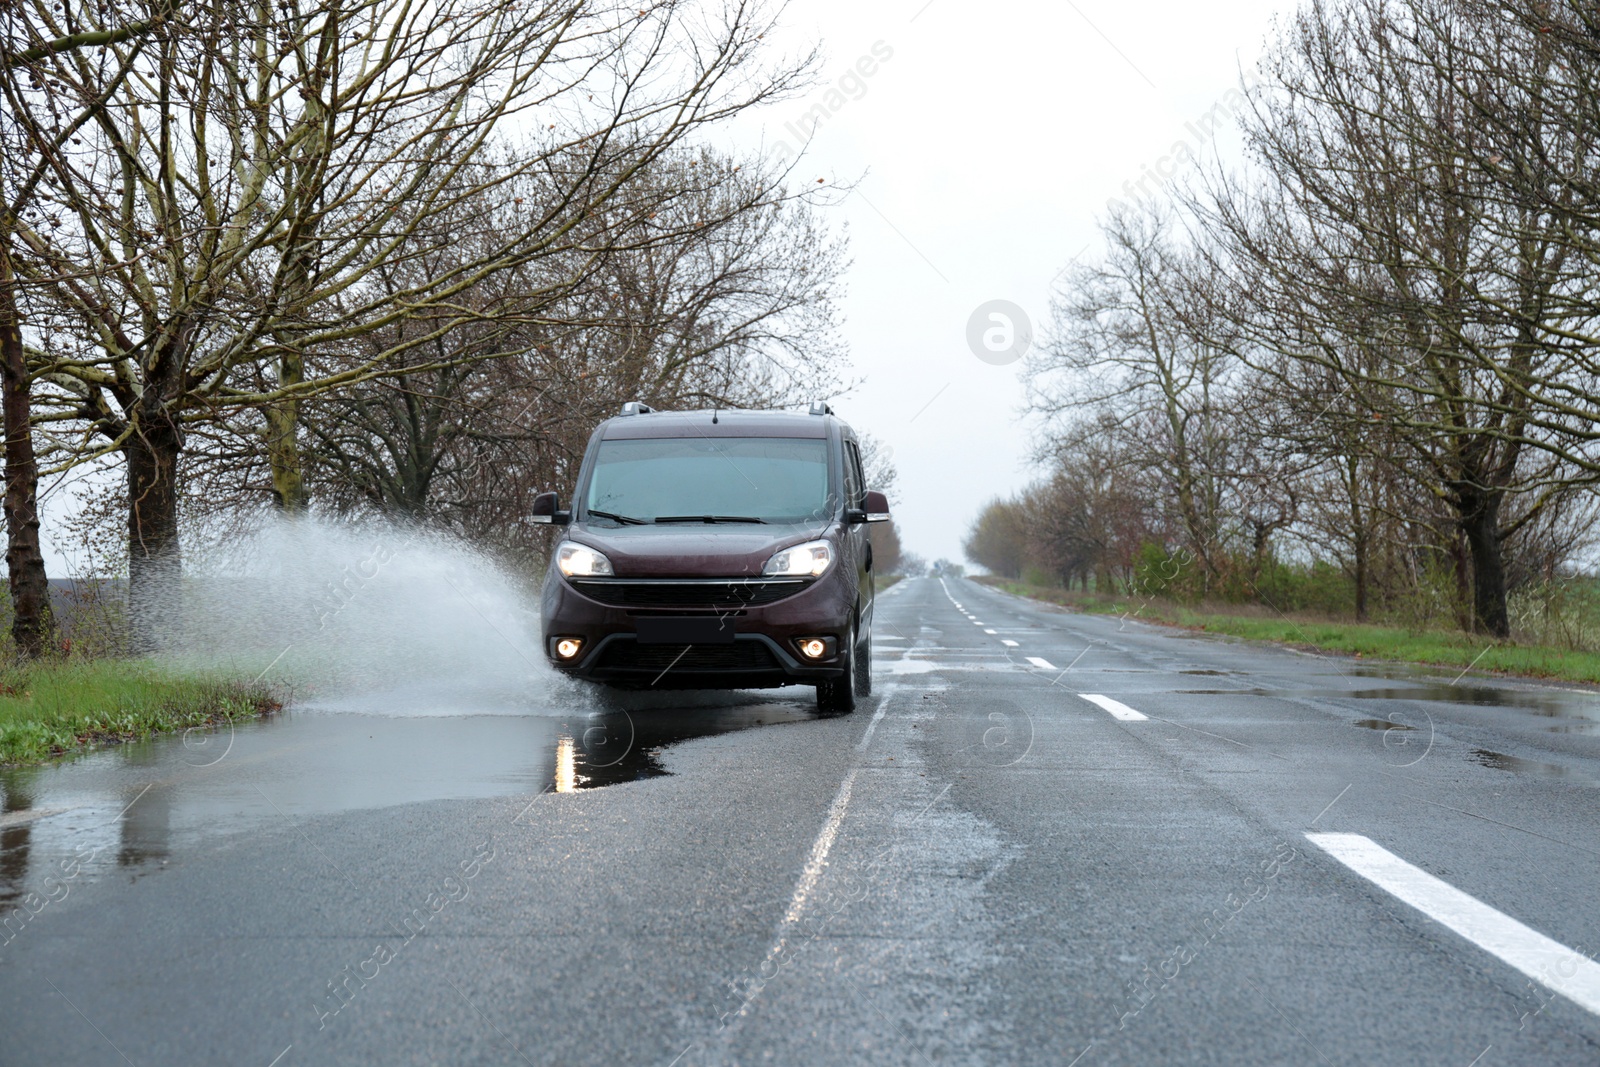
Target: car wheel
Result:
[838, 697]
[863, 671]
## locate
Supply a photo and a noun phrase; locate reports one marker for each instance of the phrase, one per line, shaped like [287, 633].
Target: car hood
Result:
[691, 550]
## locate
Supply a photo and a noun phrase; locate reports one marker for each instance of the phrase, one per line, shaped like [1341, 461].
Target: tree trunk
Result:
[1480, 522]
[154, 559]
[32, 620]
[1362, 578]
[283, 447]
[1258, 552]
[1463, 571]
[1359, 537]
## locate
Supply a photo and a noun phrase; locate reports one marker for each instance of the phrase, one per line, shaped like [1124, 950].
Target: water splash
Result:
[368, 617]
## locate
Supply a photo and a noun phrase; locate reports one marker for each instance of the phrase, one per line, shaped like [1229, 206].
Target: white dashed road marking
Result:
[1117, 709]
[1547, 962]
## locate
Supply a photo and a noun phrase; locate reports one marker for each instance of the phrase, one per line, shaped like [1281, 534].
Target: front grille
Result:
[727, 595]
[738, 656]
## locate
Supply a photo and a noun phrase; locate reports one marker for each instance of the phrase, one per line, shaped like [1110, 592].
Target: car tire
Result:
[863, 672]
[838, 697]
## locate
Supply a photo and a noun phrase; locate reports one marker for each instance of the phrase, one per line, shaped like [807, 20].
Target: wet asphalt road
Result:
[979, 866]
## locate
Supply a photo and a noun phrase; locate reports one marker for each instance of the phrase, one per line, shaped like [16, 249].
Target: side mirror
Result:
[547, 509]
[876, 510]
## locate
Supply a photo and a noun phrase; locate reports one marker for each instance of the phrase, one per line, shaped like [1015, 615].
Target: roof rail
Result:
[820, 407]
[637, 407]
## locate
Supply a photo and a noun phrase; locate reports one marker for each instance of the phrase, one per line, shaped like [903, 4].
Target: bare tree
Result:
[998, 539]
[1373, 252]
[1374, 341]
[1134, 343]
[730, 305]
[32, 620]
[211, 235]
[21, 172]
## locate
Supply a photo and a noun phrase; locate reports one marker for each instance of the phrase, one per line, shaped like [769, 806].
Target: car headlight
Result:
[581, 561]
[808, 560]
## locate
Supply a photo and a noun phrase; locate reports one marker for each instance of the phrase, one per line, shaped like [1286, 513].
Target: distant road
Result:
[1046, 839]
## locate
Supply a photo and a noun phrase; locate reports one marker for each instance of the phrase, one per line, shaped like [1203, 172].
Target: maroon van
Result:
[716, 549]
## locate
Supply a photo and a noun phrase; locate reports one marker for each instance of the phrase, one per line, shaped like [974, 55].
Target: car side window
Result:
[855, 484]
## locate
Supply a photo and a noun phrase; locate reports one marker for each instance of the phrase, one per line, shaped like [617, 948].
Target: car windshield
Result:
[711, 479]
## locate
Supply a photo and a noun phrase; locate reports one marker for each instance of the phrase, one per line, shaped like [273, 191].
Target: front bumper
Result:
[761, 655]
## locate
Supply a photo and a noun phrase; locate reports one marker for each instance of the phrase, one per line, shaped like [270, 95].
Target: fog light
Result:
[567, 647]
[813, 647]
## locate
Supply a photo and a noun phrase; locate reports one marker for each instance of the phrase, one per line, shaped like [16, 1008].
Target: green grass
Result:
[1363, 640]
[884, 581]
[59, 706]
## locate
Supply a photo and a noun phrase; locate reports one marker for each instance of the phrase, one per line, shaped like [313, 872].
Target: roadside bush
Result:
[1564, 612]
[1320, 587]
[1036, 575]
[1161, 571]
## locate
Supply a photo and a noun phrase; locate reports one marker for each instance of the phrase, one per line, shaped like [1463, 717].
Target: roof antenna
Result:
[714, 406]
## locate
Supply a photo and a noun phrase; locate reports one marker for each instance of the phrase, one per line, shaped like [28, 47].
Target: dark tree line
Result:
[732, 306]
[1369, 348]
[361, 255]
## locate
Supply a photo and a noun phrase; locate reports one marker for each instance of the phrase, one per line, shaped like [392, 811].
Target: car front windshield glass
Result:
[773, 479]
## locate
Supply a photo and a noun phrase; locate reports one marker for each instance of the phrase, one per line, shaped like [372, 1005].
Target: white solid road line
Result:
[1043, 664]
[819, 852]
[809, 877]
[1118, 710]
[1547, 962]
[883, 705]
[1008, 643]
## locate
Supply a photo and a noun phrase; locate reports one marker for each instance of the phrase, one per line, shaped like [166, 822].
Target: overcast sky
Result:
[990, 141]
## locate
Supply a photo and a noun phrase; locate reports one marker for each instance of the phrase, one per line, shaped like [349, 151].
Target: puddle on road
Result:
[134, 806]
[1580, 705]
[1553, 703]
[1502, 762]
[1550, 703]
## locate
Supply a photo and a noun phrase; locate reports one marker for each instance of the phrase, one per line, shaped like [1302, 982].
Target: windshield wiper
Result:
[626, 520]
[710, 518]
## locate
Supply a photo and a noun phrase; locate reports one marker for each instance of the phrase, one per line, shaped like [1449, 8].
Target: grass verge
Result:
[55, 707]
[1364, 640]
[884, 581]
